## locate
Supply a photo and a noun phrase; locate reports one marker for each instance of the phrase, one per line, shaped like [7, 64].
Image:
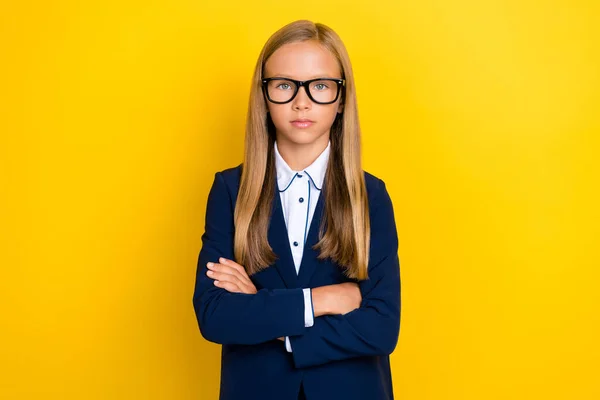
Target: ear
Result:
[340, 108]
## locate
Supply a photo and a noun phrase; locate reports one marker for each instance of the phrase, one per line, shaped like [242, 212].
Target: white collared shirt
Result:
[299, 192]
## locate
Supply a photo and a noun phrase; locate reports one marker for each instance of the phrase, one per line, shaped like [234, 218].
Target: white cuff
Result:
[288, 345]
[309, 316]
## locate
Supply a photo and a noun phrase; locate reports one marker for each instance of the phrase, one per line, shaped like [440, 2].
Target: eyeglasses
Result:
[320, 90]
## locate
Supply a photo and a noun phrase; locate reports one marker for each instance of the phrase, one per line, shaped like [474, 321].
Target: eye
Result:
[283, 84]
[321, 86]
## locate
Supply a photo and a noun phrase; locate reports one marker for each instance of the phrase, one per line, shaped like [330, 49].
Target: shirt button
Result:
[301, 199]
[296, 244]
[299, 176]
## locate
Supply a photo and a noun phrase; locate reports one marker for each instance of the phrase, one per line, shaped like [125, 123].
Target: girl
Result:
[298, 277]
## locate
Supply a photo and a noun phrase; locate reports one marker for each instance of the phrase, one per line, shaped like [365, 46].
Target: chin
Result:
[301, 136]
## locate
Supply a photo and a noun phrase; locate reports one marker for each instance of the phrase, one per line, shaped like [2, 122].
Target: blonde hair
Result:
[346, 215]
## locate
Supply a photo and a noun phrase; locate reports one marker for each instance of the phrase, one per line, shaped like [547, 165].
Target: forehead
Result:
[302, 60]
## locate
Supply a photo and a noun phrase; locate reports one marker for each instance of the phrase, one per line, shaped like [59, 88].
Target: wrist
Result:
[321, 300]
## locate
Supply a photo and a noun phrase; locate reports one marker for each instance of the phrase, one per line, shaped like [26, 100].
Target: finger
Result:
[225, 277]
[221, 276]
[223, 270]
[234, 287]
[240, 268]
[230, 287]
[232, 270]
[232, 264]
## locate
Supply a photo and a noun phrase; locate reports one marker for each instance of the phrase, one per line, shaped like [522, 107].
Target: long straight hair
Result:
[344, 233]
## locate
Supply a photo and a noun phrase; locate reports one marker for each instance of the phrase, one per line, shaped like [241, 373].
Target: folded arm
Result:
[374, 327]
[239, 318]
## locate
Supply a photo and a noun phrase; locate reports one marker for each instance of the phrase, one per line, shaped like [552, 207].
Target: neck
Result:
[300, 155]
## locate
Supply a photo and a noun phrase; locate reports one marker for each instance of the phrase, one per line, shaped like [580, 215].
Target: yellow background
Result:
[481, 116]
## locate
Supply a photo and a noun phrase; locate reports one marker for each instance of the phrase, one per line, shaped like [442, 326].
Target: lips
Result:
[302, 123]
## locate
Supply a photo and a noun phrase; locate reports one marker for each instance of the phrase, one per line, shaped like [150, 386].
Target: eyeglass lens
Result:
[282, 90]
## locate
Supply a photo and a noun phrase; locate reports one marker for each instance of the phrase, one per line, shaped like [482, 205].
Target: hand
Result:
[230, 276]
[339, 298]
[347, 297]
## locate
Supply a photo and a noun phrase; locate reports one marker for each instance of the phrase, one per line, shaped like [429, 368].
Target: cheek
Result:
[328, 115]
[279, 116]
[334, 111]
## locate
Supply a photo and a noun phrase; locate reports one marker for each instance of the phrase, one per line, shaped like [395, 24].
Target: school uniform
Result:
[327, 357]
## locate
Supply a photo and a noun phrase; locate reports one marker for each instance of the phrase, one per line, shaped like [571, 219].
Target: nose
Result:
[301, 101]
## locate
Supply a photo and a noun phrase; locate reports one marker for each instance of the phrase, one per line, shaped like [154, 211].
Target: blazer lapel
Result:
[309, 262]
[279, 240]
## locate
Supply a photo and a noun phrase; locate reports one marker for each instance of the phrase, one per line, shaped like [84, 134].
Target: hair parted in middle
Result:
[344, 233]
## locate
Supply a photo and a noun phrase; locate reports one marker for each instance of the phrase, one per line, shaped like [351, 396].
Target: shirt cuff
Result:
[288, 345]
[309, 312]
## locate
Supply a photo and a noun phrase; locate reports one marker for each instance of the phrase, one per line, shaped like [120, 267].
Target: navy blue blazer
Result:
[340, 356]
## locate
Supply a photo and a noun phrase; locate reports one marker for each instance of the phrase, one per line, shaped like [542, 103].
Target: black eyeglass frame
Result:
[341, 84]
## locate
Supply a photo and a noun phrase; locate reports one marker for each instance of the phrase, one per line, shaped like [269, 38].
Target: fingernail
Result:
[216, 282]
[222, 259]
[209, 264]
[209, 272]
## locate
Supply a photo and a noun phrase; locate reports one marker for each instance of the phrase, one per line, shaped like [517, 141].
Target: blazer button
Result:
[301, 199]
[296, 244]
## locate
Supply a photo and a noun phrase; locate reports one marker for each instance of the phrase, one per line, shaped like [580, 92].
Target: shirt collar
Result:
[316, 170]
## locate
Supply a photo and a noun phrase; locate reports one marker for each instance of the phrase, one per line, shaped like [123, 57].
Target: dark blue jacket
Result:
[340, 356]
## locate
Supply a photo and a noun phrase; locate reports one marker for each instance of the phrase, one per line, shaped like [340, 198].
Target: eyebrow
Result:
[312, 77]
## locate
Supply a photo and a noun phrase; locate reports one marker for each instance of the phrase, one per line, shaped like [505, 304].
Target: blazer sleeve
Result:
[374, 327]
[238, 318]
